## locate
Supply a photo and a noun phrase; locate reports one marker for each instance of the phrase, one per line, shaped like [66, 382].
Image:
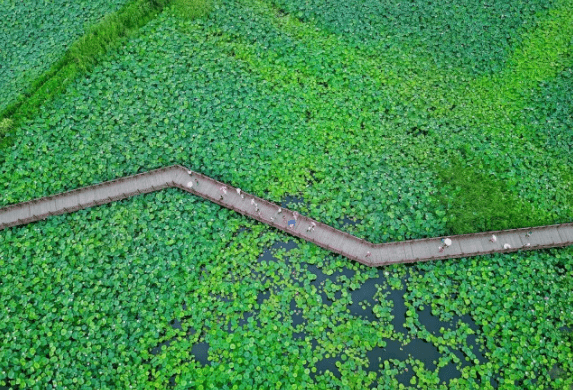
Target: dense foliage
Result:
[164, 288]
[35, 34]
[360, 129]
[469, 34]
[79, 57]
[410, 143]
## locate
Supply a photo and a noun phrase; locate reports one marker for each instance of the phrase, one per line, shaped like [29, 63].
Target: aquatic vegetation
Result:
[35, 35]
[289, 100]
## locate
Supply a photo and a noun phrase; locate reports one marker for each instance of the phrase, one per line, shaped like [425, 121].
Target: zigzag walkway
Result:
[269, 213]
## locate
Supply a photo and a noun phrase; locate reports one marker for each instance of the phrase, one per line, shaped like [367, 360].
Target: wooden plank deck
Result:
[323, 235]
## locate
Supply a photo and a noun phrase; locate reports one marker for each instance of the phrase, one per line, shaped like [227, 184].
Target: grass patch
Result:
[5, 124]
[84, 54]
[478, 202]
[191, 9]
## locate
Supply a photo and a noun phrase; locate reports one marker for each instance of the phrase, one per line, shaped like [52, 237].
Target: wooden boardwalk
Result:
[269, 213]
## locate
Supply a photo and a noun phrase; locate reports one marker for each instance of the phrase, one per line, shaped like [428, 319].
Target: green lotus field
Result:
[390, 120]
[35, 34]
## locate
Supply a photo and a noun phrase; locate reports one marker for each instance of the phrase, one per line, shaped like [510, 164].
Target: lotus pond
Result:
[359, 115]
[35, 34]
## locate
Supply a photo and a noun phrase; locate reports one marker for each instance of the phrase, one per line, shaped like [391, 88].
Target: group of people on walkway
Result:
[291, 223]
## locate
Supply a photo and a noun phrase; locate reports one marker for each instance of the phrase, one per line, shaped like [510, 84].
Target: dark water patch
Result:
[417, 131]
[201, 353]
[392, 350]
[494, 380]
[324, 298]
[292, 202]
[346, 222]
[268, 254]
[302, 336]
[343, 271]
[470, 321]
[321, 279]
[398, 310]
[241, 230]
[464, 362]
[432, 323]
[557, 372]
[286, 245]
[312, 177]
[296, 314]
[449, 372]
[364, 296]
[417, 348]
[175, 324]
[327, 364]
[405, 376]
[222, 298]
[263, 296]
[244, 320]
[158, 348]
[349, 273]
[202, 272]
[471, 341]
[423, 351]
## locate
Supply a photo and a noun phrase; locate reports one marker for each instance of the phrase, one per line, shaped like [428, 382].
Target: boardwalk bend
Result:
[266, 212]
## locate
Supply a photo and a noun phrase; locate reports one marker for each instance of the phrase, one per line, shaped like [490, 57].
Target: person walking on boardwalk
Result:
[446, 242]
[493, 238]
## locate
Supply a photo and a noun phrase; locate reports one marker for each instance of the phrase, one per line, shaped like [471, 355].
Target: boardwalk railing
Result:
[325, 236]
